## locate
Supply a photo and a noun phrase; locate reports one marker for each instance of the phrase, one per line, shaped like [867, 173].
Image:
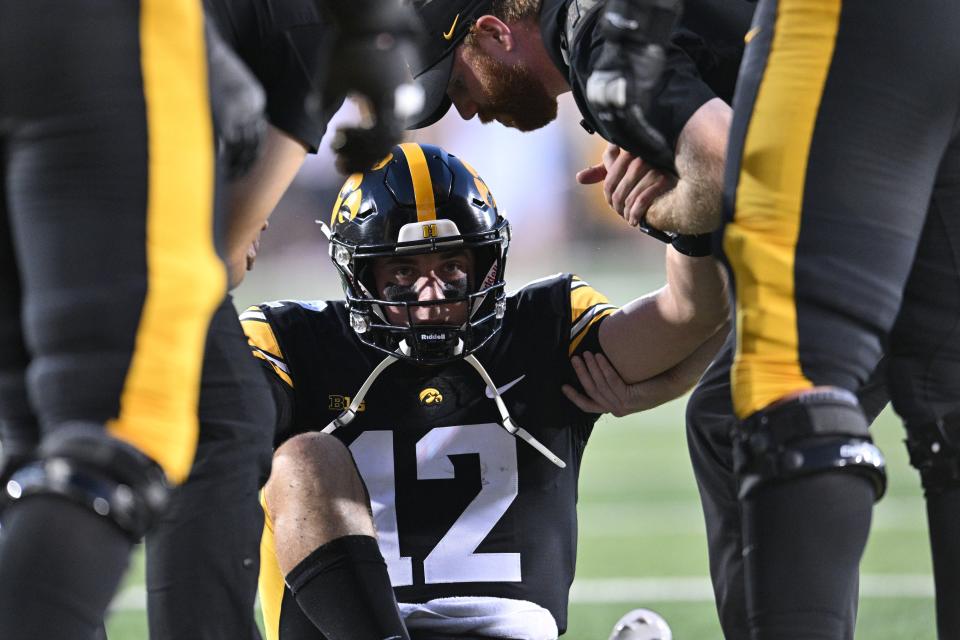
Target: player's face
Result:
[484, 85]
[423, 278]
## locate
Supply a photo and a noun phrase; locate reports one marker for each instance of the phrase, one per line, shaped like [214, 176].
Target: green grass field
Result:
[642, 540]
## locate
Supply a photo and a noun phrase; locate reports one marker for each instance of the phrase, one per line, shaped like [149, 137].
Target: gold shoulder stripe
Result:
[587, 322]
[279, 367]
[263, 343]
[260, 334]
[422, 182]
[582, 298]
[253, 313]
[587, 307]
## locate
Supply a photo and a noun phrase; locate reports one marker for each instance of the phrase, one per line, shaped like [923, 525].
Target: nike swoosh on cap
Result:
[504, 388]
[449, 34]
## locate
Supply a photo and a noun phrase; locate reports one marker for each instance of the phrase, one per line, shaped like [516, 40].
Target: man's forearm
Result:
[696, 292]
[694, 205]
[654, 333]
[679, 379]
[251, 200]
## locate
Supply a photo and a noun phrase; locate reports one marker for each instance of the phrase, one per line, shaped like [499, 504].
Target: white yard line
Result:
[646, 590]
[640, 590]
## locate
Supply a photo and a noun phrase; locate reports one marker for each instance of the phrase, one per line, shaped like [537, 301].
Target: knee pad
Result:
[934, 452]
[110, 477]
[815, 433]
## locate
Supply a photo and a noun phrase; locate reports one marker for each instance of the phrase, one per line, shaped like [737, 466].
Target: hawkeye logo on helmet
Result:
[430, 396]
[348, 200]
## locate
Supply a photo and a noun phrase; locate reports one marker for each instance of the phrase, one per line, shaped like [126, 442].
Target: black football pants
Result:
[109, 275]
[842, 236]
[203, 558]
[710, 426]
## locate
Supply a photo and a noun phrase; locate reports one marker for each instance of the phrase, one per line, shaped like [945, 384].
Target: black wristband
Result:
[653, 232]
[695, 246]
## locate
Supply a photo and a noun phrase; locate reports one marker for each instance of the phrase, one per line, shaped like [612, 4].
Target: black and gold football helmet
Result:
[420, 199]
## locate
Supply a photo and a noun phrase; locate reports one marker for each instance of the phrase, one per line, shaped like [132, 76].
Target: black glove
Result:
[695, 246]
[376, 39]
[238, 103]
[620, 87]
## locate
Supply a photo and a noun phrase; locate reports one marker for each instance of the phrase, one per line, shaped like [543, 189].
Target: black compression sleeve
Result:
[344, 588]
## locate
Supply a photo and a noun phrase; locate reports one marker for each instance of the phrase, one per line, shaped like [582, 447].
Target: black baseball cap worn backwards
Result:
[446, 23]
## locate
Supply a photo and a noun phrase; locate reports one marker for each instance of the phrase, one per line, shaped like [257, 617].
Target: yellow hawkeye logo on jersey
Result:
[340, 403]
[431, 396]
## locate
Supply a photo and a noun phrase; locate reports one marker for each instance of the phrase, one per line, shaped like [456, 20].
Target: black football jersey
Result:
[286, 44]
[702, 62]
[461, 507]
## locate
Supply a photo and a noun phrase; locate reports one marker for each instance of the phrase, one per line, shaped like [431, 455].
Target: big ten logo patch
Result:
[431, 396]
[430, 231]
[341, 403]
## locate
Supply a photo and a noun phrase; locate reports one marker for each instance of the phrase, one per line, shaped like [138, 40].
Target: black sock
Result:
[62, 564]
[803, 540]
[344, 588]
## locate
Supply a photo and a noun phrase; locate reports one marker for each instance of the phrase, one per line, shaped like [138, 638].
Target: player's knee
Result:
[934, 449]
[322, 459]
[815, 433]
[82, 463]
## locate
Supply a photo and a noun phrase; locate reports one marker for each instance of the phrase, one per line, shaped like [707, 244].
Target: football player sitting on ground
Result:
[429, 420]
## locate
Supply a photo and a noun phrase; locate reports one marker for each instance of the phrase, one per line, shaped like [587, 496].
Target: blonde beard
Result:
[512, 94]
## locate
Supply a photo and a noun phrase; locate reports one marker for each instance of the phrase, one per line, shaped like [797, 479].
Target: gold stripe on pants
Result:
[761, 241]
[185, 278]
[272, 585]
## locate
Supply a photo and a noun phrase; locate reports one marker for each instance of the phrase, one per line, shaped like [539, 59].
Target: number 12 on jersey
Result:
[453, 559]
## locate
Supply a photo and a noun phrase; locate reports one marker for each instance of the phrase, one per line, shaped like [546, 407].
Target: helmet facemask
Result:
[481, 292]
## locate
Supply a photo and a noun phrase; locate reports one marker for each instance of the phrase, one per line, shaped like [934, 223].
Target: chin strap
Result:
[507, 422]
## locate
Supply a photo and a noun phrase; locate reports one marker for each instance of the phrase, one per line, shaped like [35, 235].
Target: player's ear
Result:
[494, 31]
